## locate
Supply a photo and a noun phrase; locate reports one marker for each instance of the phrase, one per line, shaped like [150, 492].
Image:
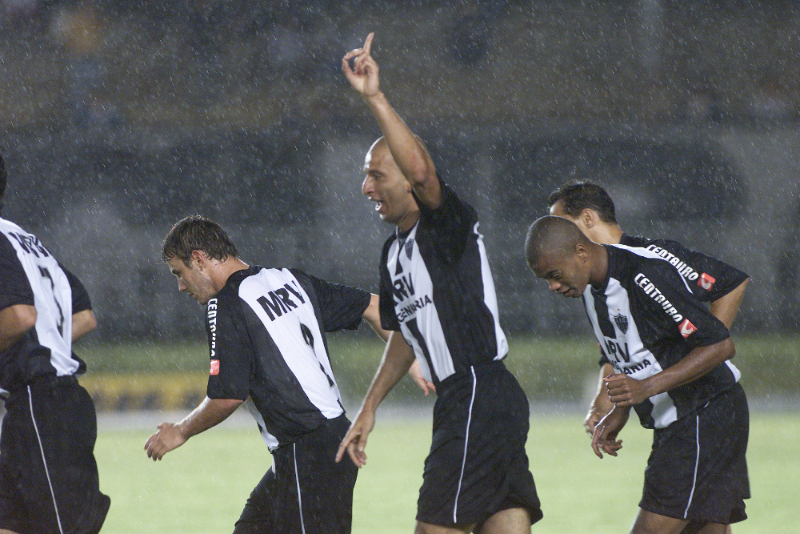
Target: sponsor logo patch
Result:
[215, 367]
[706, 281]
[687, 328]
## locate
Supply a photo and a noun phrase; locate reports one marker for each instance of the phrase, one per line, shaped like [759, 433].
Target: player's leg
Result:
[652, 523]
[429, 528]
[715, 528]
[510, 521]
[707, 528]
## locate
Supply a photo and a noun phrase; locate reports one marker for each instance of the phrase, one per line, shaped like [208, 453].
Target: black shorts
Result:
[697, 468]
[306, 468]
[48, 474]
[477, 465]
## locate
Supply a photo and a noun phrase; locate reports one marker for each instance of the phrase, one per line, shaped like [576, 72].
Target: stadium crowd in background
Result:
[437, 297]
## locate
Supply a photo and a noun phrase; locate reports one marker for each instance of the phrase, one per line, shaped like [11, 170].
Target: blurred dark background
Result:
[117, 118]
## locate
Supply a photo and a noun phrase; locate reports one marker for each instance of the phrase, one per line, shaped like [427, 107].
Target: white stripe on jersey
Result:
[271, 441]
[490, 297]
[419, 297]
[308, 363]
[626, 351]
[51, 293]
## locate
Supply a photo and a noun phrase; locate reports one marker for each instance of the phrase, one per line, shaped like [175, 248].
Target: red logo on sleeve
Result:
[706, 281]
[687, 328]
[215, 367]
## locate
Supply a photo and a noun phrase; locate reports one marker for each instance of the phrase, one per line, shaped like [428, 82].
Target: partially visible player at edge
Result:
[266, 333]
[591, 208]
[437, 296]
[48, 474]
[671, 364]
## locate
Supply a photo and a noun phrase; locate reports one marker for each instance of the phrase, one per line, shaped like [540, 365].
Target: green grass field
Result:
[202, 486]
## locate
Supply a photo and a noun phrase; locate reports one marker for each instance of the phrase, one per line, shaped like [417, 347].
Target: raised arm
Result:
[407, 149]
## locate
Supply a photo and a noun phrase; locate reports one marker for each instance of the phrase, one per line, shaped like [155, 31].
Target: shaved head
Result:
[551, 234]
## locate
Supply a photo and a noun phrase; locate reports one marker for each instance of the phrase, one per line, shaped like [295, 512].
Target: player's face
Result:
[566, 273]
[385, 185]
[192, 280]
[557, 210]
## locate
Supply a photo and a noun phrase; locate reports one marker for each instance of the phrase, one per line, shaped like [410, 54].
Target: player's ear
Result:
[588, 218]
[199, 258]
[581, 251]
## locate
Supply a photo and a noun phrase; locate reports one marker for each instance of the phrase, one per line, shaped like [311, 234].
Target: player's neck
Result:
[606, 234]
[407, 222]
[224, 270]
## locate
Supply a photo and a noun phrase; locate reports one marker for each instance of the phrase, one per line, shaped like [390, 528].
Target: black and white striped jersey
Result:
[646, 319]
[266, 334]
[708, 278]
[30, 275]
[437, 289]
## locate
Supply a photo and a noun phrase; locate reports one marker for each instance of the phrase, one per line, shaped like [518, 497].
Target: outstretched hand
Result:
[363, 75]
[168, 437]
[355, 441]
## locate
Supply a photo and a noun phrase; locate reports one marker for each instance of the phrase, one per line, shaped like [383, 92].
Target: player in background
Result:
[591, 208]
[48, 474]
[437, 296]
[266, 333]
[671, 361]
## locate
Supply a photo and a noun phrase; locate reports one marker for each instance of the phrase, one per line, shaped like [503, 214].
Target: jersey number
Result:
[46, 274]
[309, 339]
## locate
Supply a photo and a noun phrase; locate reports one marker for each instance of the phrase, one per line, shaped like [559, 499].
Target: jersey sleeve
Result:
[716, 278]
[229, 349]
[80, 297]
[672, 304]
[14, 285]
[450, 225]
[340, 306]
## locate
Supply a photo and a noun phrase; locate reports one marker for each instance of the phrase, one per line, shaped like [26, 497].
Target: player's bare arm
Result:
[372, 316]
[83, 322]
[14, 322]
[601, 404]
[725, 308]
[170, 436]
[626, 391]
[408, 152]
[397, 359]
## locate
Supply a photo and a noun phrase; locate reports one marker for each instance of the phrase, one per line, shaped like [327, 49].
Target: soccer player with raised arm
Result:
[437, 297]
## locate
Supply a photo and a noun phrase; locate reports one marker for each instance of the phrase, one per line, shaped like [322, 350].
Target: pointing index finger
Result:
[368, 43]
